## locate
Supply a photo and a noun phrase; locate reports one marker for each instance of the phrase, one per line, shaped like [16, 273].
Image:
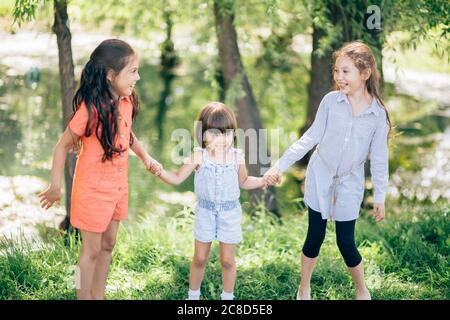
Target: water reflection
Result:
[31, 122]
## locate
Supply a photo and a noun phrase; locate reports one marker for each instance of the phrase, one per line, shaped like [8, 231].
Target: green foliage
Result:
[25, 10]
[406, 257]
[424, 20]
[225, 7]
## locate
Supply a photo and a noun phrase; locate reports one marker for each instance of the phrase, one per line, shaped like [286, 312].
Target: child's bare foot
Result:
[363, 294]
[304, 294]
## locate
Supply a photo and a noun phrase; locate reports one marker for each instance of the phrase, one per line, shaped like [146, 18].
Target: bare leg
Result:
[357, 273]
[90, 250]
[198, 264]
[228, 262]
[104, 260]
[307, 267]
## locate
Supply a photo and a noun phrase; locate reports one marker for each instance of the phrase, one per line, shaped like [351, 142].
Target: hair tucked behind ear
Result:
[95, 92]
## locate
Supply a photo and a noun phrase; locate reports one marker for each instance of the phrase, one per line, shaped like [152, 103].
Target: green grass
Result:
[406, 257]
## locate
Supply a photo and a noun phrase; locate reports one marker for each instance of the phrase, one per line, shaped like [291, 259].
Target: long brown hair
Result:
[95, 92]
[215, 115]
[363, 58]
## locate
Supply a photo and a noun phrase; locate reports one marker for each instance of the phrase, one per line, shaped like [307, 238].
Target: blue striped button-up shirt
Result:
[334, 183]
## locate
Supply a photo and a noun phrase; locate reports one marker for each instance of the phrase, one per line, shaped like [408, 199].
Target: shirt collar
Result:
[123, 98]
[126, 98]
[374, 106]
[342, 97]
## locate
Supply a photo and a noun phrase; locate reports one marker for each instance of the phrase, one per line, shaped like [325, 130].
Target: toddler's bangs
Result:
[221, 121]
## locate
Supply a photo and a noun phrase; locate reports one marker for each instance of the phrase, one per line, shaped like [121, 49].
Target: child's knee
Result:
[312, 245]
[349, 251]
[200, 261]
[92, 254]
[227, 262]
[345, 243]
[108, 244]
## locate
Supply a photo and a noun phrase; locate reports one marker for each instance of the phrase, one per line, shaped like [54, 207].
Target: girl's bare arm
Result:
[176, 178]
[248, 182]
[53, 193]
[137, 148]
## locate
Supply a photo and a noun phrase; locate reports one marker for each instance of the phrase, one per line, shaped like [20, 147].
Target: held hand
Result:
[153, 166]
[378, 211]
[49, 196]
[156, 168]
[272, 176]
[272, 180]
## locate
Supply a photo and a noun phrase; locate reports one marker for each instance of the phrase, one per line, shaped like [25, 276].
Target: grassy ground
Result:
[406, 257]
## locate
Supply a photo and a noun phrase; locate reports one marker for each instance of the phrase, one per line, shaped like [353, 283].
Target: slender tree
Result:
[234, 77]
[67, 81]
[169, 61]
[25, 10]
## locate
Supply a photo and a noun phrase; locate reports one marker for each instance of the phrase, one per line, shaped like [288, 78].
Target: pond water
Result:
[30, 124]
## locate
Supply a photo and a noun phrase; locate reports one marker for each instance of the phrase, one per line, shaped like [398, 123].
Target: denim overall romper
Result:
[218, 213]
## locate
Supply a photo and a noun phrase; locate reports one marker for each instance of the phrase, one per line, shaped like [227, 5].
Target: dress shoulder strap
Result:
[237, 153]
[204, 154]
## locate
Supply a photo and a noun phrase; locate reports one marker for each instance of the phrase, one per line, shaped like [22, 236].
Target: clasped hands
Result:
[153, 166]
[272, 176]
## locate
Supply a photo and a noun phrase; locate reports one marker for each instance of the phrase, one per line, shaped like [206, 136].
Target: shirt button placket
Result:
[348, 132]
[122, 143]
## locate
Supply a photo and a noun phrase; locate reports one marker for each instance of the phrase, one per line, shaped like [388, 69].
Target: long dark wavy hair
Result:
[96, 92]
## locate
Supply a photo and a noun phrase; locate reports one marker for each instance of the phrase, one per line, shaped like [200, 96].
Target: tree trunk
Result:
[67, 82]
[319, 85]
[218, 76]
[169, 61]
[248, 116]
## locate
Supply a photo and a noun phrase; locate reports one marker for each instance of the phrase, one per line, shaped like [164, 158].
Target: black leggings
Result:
[345, 238]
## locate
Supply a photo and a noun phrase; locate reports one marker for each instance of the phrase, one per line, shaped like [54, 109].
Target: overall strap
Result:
[203, 155]
[236, 153]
